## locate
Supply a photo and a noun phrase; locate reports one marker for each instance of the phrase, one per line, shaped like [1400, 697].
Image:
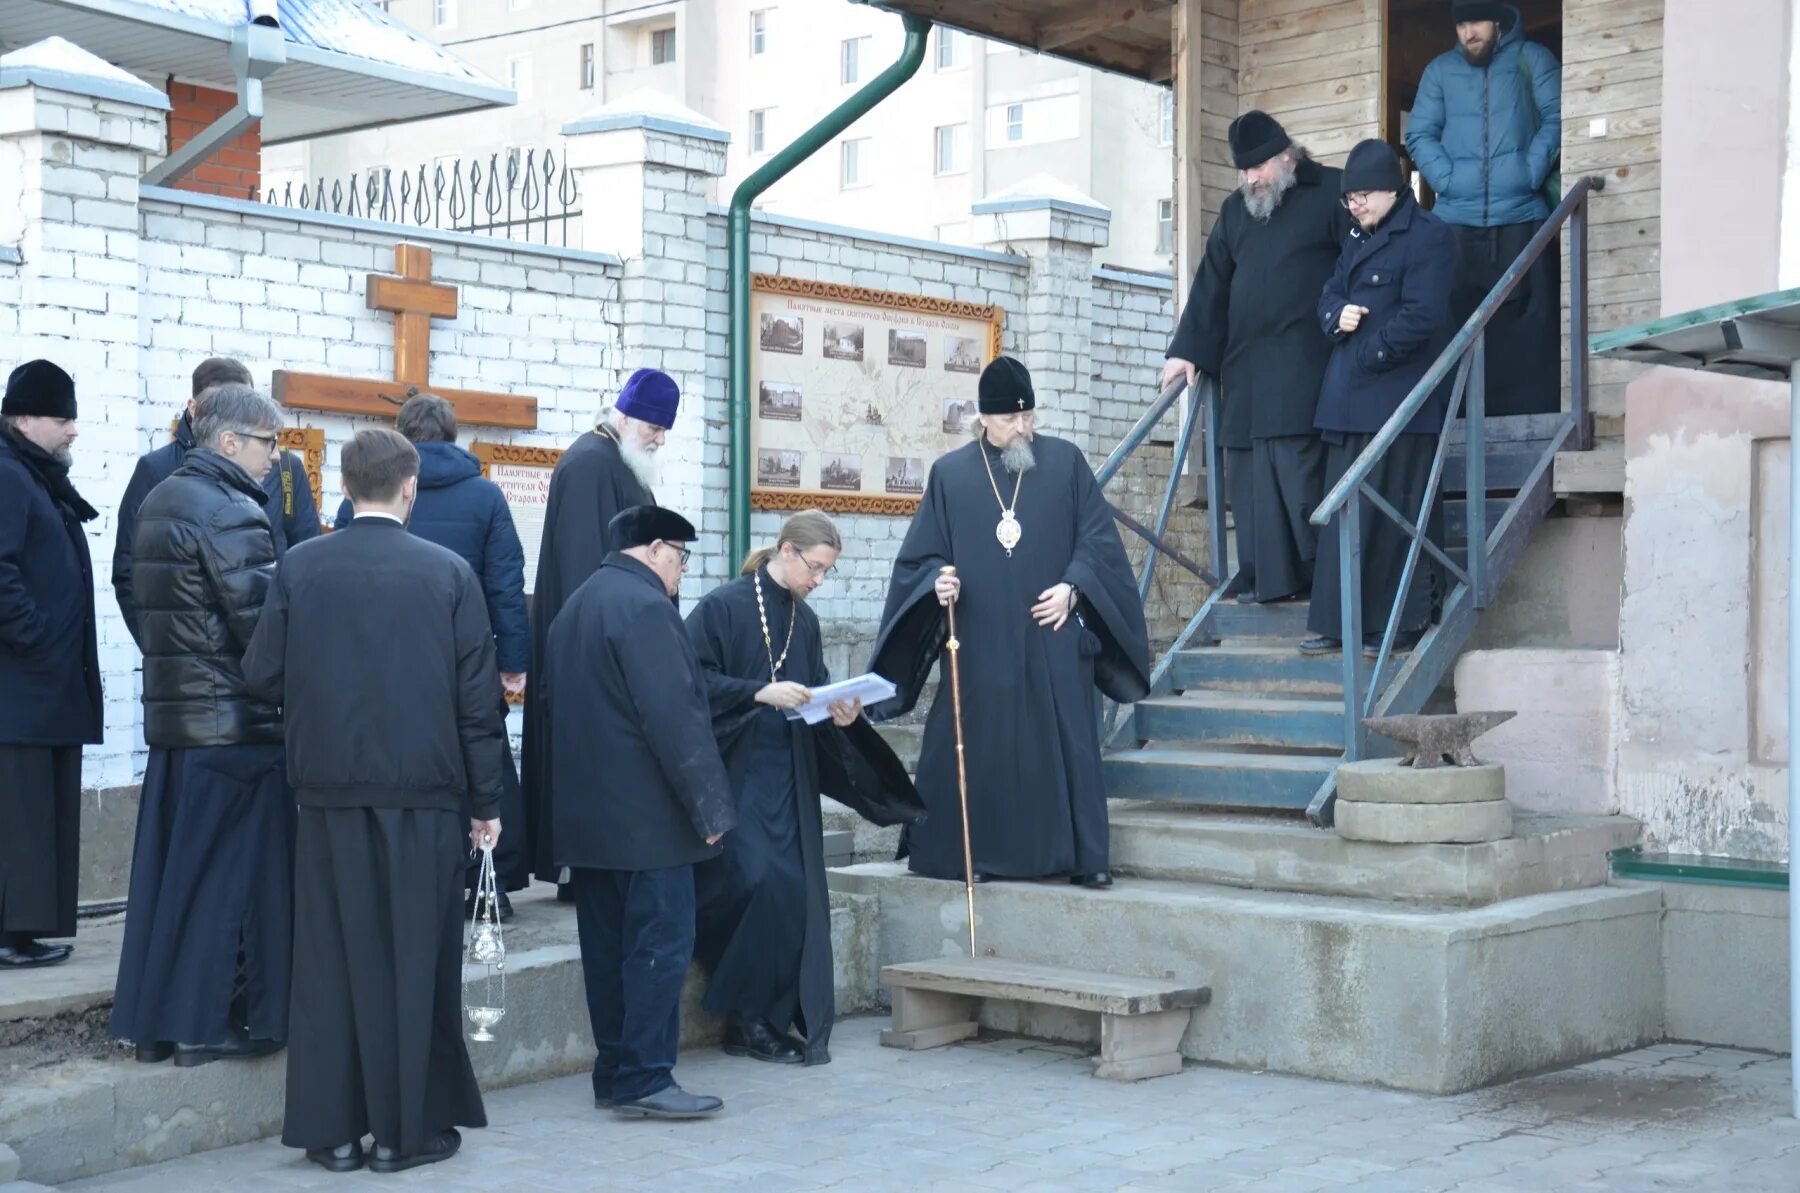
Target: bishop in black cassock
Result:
[764, 930]
[1047, 610]
[377, 645]
[608, 470]
[1249, 322]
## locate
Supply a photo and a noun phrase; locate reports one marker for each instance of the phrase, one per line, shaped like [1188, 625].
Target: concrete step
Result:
[1436, 1000]
[1284, 853]
[1217, 778]
[1238, 719]
[97, 1110]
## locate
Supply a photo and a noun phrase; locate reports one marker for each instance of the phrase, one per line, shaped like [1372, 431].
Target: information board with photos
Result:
[857, 391]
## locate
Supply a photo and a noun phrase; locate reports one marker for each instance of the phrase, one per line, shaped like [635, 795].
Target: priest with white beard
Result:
[609, 469]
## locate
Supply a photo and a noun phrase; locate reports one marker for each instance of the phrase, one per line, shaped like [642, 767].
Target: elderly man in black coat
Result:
[460, 509]
[208, 934]
[378, 647]
[641, 795]
[1387, 311]
[49, 665]
[287, 495]
[610, 469]
[1248, 321]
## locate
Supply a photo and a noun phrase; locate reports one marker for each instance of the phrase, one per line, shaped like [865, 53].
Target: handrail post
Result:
[1350, 624]
[1189, 429]
[1578, 325]
[1475, 469]
[1215, 481]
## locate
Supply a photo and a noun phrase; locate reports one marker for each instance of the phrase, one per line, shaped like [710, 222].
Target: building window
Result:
[587, 67]
[850, 63]
[949, 158]
[1165, 227]
[443, 13]
[518, 77]
[662, 47]
[759, 31]
[759, 130]
[1015, 122]
[1168, 118]
[952, 48]
[850, 169]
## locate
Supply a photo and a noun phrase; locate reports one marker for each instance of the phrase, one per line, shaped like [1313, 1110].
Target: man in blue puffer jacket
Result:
[459, 509]
[1486, 131]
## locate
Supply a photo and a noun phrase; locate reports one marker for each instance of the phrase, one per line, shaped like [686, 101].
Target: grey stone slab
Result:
[1390, 781]
[1425, 823]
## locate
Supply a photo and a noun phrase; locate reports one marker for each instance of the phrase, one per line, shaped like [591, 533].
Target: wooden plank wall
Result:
[1316, 66]
[1612, 67]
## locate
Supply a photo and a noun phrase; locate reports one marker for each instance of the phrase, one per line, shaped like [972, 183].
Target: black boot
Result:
[386, 1159]
[24, 952]
[346, 1157]
[757, 1040]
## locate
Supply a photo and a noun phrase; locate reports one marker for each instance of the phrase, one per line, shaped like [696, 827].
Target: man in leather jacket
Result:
[208, 931]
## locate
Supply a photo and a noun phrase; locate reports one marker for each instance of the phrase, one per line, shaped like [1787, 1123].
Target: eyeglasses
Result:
[269, 441]
[684, 552]
[1356, 199]
[820, 571]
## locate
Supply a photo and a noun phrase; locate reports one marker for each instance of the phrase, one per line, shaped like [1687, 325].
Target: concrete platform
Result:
[1437, 1000]
[73, 1103]
[1284, 853]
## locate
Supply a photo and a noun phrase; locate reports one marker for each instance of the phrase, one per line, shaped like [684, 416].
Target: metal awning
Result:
[1127, 37]
[1752, 337]
[1759, 338]
[349, 65]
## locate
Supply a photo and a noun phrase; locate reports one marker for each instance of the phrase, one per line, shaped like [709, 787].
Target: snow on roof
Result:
[61, 65]
[1040, 189]
[648, 109]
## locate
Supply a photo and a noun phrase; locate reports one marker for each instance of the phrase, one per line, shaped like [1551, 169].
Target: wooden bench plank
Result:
[1046, 985]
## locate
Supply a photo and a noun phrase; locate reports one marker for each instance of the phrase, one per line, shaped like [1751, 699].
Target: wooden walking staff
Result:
[962, 778]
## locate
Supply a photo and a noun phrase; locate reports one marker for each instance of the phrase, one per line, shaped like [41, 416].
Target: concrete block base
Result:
[1437, 1000]
[1388, 781]
[1136, 1047]
[1419, 824]
[929, 1019]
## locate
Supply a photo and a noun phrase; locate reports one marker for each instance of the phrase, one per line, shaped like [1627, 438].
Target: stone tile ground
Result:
[1014, 1115]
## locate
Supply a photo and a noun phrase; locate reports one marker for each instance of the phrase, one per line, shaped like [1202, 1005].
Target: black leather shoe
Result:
[1246, 597]
[29, 954]
[759, 1041]
[386, 1159]
[187, 1056]
[1099, 880]
[345, 1157]
[155, 1054]
[671, 1102]
[505, 906]
[1321, 645]
[979, 878]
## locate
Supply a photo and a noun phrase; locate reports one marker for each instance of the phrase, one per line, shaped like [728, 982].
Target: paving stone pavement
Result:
[1025, 1117]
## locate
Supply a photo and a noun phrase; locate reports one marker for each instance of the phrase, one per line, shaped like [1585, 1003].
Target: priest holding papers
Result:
[1047, 612]
[764, 930]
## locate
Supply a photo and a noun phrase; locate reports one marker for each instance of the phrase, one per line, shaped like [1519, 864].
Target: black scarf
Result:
[52, 473]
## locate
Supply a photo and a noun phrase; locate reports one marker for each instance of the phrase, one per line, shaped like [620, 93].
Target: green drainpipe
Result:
[774, 170]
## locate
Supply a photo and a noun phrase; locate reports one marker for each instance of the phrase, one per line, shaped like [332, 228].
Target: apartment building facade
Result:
[978, 117]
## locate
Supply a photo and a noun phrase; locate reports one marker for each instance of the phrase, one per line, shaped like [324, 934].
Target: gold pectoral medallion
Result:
[1007, 530]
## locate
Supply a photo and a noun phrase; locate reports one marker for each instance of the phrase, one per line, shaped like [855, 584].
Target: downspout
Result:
[257, 51]
[918, 30]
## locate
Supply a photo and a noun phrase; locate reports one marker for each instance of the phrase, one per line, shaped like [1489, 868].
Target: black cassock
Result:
[764, 931]
[1037, 804]
[590, 484]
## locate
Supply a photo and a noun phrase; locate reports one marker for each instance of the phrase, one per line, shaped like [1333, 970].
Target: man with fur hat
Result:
[641, 795]
[49, 665]
[1486, 131]
[1386, 313]
[1248, 321]
[1049, 617]
[609, 469]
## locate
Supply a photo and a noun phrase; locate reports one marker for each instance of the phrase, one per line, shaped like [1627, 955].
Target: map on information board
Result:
[855, 392]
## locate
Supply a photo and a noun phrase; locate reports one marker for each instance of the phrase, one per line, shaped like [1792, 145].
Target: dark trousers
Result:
[1240, 490]
[1524, 343]
[637, 938]
[40, 848]
[1401, 478]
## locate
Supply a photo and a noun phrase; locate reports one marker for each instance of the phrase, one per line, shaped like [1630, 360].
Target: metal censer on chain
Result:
[487, 948]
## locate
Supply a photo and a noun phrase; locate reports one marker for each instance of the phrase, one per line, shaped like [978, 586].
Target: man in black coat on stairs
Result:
[49, 666]
[1248, 321]
[641, 795]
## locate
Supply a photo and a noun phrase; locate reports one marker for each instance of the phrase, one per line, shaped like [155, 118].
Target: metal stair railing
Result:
[1491, 554]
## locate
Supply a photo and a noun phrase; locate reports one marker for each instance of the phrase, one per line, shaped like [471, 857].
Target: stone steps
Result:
[1235, 719]
[1434, 999]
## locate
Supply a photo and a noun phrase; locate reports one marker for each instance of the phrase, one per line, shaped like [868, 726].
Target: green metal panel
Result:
[1684, 867]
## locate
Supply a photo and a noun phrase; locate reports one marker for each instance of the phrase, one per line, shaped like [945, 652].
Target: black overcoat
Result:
[1249, 315]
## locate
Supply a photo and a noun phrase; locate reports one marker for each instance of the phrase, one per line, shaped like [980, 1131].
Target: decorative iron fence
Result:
[527, 197]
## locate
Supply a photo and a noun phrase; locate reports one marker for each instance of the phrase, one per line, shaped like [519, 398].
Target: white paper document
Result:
[870, 689]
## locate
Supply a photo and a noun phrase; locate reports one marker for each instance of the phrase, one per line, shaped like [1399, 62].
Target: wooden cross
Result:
[414, 301]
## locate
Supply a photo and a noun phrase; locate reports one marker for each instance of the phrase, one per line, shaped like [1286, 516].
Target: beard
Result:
[1018, 457]
[1262, 204]
[641, 460]
[64, 455]
[1480, 56]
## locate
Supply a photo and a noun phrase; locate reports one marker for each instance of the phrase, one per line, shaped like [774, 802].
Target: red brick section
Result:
[234, 171]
